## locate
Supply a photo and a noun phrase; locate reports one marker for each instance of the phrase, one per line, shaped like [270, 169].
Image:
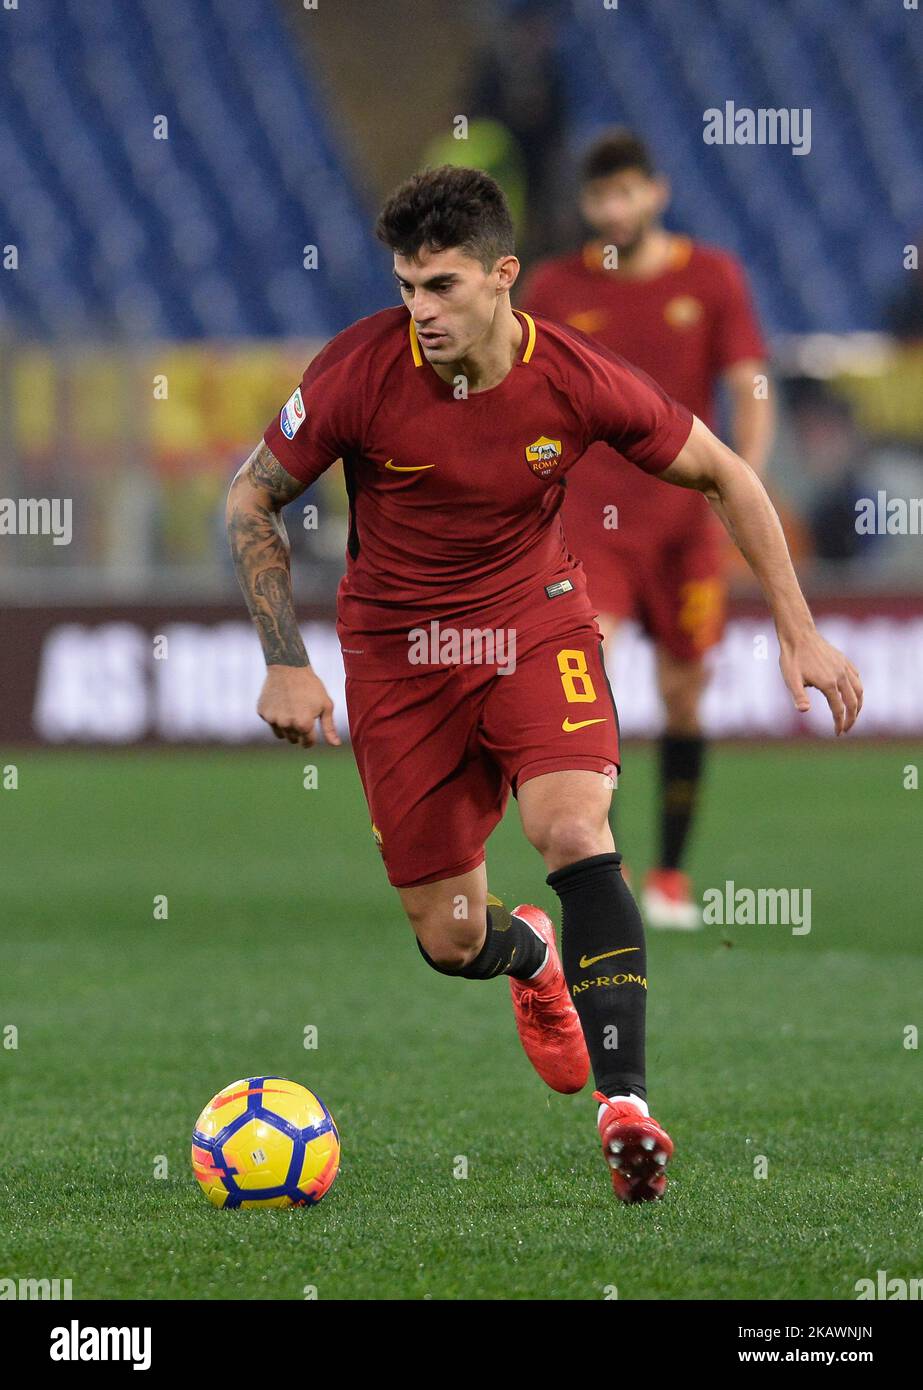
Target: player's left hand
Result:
[809, 660]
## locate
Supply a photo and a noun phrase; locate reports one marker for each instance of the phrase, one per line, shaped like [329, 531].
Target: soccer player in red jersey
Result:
[682, 312]
[473, 661]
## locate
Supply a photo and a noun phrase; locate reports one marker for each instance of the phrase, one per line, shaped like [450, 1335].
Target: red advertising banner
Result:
[159, 674]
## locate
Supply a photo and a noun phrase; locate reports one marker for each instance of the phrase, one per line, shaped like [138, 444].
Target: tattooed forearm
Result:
[265, 471]
[260, 549]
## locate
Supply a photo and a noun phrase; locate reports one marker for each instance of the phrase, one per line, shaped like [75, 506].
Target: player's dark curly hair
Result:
[613, 151]
[448, 207]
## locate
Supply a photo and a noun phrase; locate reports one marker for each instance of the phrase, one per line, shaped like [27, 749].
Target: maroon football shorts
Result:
[438, 752]
[676, 591]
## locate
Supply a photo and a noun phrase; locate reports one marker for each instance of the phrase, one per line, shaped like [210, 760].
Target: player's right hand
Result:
[292, 700]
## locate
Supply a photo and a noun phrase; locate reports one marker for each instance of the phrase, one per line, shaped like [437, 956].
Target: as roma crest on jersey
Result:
[543, 456]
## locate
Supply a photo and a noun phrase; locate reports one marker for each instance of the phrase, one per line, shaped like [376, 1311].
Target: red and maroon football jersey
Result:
[684, 327]
[454, 499]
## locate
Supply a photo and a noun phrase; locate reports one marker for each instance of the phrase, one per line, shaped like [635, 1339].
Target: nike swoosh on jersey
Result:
[622, 951]
[569, 728]
[414, 468]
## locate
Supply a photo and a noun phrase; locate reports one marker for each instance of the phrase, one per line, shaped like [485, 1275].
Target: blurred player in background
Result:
[682, 312]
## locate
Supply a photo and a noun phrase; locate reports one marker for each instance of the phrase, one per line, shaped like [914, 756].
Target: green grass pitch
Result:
[280, 917]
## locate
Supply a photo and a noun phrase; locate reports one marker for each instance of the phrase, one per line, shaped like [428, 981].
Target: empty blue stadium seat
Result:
[199, 234]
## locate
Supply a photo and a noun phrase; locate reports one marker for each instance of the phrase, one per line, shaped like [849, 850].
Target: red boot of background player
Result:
[667, 901]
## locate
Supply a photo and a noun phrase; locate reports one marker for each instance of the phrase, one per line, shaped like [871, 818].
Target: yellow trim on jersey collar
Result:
[530, 345]
[681, 252]
[418, 355]
[681, 248]
[593, 255]
[415, 344]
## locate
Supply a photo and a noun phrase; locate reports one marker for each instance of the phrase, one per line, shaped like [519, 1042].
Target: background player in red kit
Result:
[472, 657]
[682, 312]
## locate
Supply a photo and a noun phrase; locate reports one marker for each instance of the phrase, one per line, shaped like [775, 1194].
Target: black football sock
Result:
[605, 965]
[681, 760]
[510, 947]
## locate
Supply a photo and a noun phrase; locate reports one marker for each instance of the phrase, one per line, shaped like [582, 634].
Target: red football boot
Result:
[668, 902]
[546, 1019]
[636, 1148]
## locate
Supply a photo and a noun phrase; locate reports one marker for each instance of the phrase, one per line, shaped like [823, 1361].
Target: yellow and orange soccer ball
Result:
[265, 1142]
